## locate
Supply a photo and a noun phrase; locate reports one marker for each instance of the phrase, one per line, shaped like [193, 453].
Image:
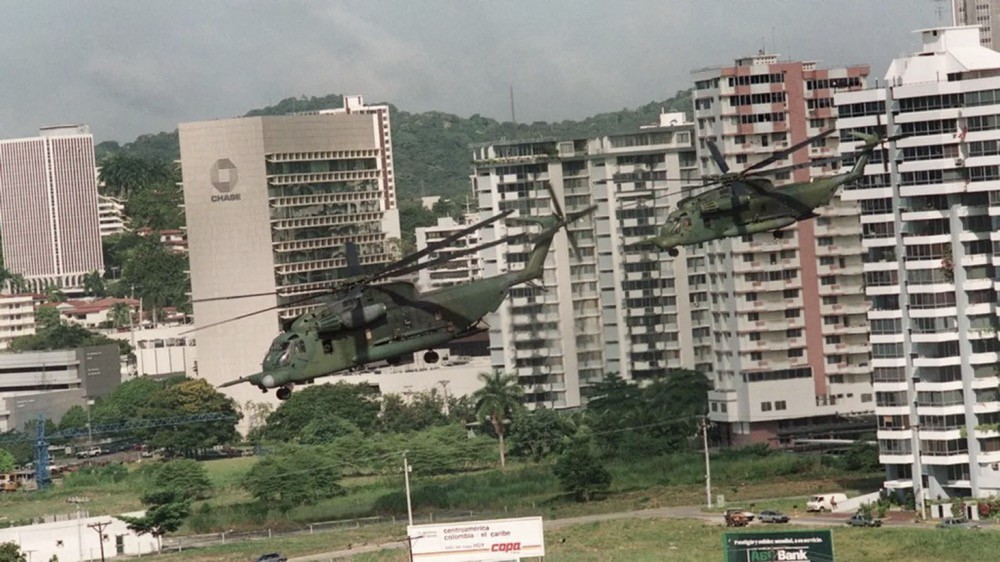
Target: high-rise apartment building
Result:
[603, 307]
[270, 203]
[48, 207]
[930, 220]
[984, 13]
[459, 270]
[788, 314]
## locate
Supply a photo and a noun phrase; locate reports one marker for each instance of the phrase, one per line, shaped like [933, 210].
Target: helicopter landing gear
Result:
[431, 357]
[672, 252]
[284, 393]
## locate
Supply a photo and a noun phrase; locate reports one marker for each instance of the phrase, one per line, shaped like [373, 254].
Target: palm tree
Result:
[93, 284]
[499, 397]
[18, 284]
[121, 314]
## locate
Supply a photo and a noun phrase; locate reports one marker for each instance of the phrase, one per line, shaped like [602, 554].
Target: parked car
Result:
[272, 557]
[825, 502]
[772, 517]
[859, 520]
[89, 453]
[957, 523]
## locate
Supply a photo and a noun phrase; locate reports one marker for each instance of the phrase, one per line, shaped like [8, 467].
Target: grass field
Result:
[641, 540]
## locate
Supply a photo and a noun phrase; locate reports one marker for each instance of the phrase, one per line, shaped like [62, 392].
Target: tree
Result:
[159, 276]
[93, 284]
[64, 336]
[188, 478]
[185, 396]
[423, 410]
[580, 472]
[7, 463]
[123, 174]
[166, 511]
[356, 403]
[18, 284]
[120, 314]
[293, 475]
[54, 293]
[10, 552]
[535, 434]
[74, 418]
[499, 397]
[47, 316]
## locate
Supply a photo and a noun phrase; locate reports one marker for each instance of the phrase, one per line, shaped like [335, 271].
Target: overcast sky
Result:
[132, 67]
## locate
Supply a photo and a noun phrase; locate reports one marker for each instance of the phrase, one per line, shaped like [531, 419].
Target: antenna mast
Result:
[513, 118]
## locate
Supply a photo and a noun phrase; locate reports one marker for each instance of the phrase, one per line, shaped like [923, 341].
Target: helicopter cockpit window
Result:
[682, 221]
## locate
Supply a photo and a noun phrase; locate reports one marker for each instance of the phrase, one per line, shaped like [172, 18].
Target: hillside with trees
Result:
[432, 149]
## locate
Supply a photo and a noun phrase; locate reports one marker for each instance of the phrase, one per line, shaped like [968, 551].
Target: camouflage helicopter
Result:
[748, 203]
[361, 321]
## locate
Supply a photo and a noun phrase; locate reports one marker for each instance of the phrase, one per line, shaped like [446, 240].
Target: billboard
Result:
[498, 539]
[778, 545]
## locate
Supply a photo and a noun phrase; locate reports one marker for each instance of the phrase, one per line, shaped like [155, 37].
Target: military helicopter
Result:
[361, 321]
[748, 203]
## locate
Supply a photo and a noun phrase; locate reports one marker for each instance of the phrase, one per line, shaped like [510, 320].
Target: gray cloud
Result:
[128, 68]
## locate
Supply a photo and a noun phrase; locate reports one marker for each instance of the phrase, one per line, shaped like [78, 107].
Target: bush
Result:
[580, 473]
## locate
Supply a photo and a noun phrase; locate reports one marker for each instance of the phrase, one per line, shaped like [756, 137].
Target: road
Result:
[686, 512]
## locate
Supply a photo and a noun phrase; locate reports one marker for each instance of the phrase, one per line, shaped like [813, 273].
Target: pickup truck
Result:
[89, 453]
[859, 520]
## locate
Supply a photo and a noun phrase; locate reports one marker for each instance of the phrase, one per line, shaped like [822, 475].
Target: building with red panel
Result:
[791, 350]
[48, 207]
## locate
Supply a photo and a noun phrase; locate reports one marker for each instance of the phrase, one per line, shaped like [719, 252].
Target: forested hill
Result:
[432, 153]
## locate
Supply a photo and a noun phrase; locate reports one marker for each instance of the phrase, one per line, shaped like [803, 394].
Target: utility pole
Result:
[406, 478]
[99, 527]
[708, 465]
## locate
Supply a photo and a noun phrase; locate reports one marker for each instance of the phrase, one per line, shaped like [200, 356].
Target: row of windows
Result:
[778, 405]
[782, 374]
[826, 83]
[775, 78]
[861, 109]
[762, 118]
[769, 97]
[819, 103]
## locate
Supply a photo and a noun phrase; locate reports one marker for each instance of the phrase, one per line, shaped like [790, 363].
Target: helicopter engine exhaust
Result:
[354, 318]
[431, 357]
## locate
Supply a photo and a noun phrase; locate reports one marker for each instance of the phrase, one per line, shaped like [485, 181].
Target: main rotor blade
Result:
[255, 313]
[450, 257]
[720, 161]
[791, 167]
[780, 155]
[446, 241]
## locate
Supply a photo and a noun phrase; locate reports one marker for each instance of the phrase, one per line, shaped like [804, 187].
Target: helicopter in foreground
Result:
[361, 321]
[747, 203]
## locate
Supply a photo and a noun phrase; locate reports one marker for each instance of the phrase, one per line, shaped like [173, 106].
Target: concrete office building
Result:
[51, 382]
[270, 203]
[607, 309]
[788, 314]
[982, 13]
[48, 207]
[931, 223]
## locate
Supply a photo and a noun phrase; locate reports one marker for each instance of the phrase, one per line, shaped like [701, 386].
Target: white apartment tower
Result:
[48, 207]
[601, 308]
[931, 220]
[459, 270]
[270, 203]
[791, 356]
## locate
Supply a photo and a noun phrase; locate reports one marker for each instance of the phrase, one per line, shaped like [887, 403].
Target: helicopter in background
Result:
[361, 321]
[749, 203]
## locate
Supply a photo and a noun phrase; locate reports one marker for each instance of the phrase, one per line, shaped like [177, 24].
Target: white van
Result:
[825, 502]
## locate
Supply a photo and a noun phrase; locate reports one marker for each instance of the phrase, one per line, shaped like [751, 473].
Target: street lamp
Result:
[406, 478]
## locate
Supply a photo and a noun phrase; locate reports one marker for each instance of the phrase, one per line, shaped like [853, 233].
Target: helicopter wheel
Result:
[673, 252]
[284, 393]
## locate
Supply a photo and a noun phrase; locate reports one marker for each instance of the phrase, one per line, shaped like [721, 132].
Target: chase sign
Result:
[224, 178]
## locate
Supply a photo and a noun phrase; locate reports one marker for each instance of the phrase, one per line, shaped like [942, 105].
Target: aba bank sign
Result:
[492, 540]
[224, 179]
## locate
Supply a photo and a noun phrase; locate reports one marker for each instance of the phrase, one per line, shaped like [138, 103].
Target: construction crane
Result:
[42, 475]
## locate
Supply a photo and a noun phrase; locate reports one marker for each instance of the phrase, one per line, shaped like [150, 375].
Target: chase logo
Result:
[224, 179]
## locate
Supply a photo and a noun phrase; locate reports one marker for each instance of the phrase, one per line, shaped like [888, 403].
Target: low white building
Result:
[78, 539]
[17, 317]
[162, 350]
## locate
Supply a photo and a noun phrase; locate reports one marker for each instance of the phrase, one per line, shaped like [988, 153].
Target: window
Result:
[866, 397]
[754, 336]
[792, 313]
[780, 405]
[765, 406]
[833, 359]
[748, 257]
[756, 356]
[832, 339]
[753, 316]
[793, 333]
[715, 406]
[796, 352]
[824, 241]
[829, 299]
[791, 293]
[828, 280]
[751, 297]
[826, 260]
